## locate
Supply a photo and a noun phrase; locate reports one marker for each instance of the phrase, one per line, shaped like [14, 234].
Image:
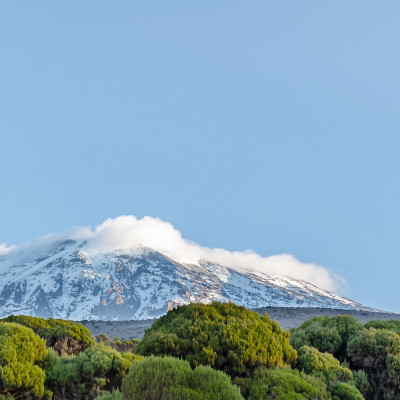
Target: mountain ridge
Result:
[66, 279]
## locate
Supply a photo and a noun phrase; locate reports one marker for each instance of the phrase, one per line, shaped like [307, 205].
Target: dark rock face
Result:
[66, 282]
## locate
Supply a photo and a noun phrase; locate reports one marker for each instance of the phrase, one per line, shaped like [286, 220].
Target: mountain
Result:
[62, 279]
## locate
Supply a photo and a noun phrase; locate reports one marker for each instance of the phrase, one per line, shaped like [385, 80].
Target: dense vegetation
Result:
[63, 336]
[200, 352]
[225, 336]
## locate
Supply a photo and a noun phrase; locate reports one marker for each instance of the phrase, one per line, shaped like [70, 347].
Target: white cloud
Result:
[127, 231]
[4, 249]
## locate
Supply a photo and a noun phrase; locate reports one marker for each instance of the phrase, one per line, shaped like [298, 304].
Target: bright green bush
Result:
[20, 352]
[115, 395]
[345, 391]
[322, 365]
[64, 336]
[223, 335]
[327, 334]
[281, 384]
[172, 379]
[83, 376]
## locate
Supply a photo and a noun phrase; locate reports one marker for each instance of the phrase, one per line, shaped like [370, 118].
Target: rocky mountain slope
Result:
[63, 280]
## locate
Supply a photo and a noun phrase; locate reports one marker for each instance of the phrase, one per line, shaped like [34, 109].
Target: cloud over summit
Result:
[127, 231]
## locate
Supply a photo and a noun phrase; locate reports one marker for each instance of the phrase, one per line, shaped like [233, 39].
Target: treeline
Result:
[199, 352]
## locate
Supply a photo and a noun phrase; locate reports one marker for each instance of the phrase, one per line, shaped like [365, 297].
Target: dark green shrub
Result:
[83, 376]
[223, 335]
[377, 351]
[281, 384]
[361, 382]
[327, 334]
[391, 325]
[172, 379]
[63, 336]
[20, 352]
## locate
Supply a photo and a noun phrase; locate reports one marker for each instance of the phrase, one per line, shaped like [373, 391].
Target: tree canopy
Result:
[223, 335]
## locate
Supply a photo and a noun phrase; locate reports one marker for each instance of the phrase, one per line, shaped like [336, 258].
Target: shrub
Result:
[64, 336]
[173, 379]
[345, 391]
[361, 382]
[83, 376]
[327, 334]
[377, 351]
[281, 384]
[322, 365]
[115, 395]
[391, 325]
[223, 335]
[20, 352]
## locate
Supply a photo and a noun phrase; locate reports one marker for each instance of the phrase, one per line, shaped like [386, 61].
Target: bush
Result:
[83, 376]
[64, 336]
[115, 395]
[391, 325]
[327, 334]
[281, 384]
[20, 352]
[322, 365]
[172, 379]
[345, 391]
[377, 351]
[361, 382]
[223, 335]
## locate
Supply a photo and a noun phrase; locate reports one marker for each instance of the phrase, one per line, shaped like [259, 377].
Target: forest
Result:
[218, 351]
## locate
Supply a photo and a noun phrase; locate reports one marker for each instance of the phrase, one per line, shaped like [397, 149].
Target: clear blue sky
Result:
[266, 125]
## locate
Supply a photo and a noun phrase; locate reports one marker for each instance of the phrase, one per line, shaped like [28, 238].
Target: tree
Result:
[377, 352]
[63, 336]
[169, 378]
[82, 377]
[223, 335]
[20, 352]
[281, 384]
[327, 334]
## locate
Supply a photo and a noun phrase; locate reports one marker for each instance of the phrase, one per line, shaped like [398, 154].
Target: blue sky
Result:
[264, 125]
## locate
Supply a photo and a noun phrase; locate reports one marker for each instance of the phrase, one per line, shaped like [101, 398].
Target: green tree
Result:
[281, 384]
[169, 378]
[377, 352]
[84, 376]
[327, 334]
[223, 335]
[63, 336]
[20, 352]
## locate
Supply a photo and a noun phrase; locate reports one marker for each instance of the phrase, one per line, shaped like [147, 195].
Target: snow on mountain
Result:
[65, 279]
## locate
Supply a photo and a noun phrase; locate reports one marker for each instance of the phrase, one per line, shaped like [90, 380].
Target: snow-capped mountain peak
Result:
[72, 280]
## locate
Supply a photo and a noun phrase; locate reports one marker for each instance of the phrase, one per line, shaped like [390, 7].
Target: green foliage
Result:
[115, 395]
[83, 376]
[281, 384]
[64, 336]
[361, 382]
[327, 334]
[173, 379]
[391, 325]
[345, 391]
[322, 365]
[377, 351]
[223, 335]
[20, 352]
